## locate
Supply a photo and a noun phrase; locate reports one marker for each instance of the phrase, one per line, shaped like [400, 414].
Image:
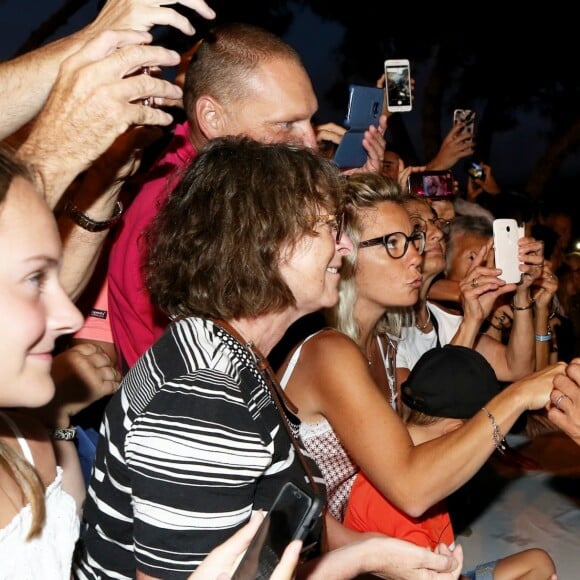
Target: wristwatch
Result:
[85, 222]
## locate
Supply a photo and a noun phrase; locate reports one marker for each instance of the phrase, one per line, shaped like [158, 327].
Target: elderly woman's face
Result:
[312, 268]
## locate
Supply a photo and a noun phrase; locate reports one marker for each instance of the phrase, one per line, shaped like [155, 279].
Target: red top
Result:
[369, 511]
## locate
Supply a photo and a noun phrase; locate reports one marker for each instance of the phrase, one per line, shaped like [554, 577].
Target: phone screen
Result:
[398, 85]
[466, 116]
[293, 514]
[432, 183]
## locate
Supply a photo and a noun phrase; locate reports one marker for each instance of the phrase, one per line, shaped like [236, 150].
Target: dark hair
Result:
[216, 244]
[14, 463]
[225, 60]
[10, 168]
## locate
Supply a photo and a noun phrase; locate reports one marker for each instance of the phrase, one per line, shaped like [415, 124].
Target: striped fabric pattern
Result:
[190, 444]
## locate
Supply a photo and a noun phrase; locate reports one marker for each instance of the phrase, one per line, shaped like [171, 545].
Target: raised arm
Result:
[518, 357]
[27, 80]
[412, 477]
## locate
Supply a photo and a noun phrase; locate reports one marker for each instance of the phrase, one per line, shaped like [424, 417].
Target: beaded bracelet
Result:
[64, 434]
[530, 304]
[545, 337]
[498, 438]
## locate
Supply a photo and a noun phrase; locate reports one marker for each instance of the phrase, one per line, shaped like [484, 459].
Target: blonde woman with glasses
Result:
[339, 381]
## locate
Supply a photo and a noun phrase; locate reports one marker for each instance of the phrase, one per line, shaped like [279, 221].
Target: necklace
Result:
[423, 326]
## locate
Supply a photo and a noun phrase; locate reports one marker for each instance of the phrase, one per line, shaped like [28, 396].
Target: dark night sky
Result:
[512, 156]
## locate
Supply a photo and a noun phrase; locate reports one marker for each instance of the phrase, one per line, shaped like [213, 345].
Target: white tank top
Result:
[48, 555]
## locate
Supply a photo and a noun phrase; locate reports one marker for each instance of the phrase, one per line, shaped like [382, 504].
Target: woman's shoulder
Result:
[33, 435]
[330, 338]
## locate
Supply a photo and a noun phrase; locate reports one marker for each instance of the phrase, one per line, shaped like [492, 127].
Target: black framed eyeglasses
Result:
[397, 243]
[336, 222]
[420, 223]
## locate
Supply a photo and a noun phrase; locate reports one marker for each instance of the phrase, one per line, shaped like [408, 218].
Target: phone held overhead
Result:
[433, 184]
[365, 106]
[398, 85]
[506, 234]
[467, 117]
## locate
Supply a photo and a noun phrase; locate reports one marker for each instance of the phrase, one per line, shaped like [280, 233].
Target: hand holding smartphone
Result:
[467, 117]
[292, 516]
[506, 234]
[398, 85]
[365, 105]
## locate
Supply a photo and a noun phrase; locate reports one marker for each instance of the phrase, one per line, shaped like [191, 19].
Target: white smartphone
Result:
[466, 116]
[506, 234]
[398, 85]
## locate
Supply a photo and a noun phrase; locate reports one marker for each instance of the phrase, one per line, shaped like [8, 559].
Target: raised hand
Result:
[97, 96]
[144, 14]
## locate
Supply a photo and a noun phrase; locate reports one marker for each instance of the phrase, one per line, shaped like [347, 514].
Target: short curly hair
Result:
[215, 246]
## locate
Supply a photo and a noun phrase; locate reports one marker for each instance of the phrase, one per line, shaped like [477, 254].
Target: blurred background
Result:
[522, 80]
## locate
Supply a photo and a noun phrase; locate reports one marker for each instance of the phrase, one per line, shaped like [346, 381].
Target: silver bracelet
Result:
[498, 438]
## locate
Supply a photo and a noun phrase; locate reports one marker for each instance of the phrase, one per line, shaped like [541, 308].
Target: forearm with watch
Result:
[85, 218]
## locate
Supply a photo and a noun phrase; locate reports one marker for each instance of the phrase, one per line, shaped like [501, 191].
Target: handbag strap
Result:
[281, 401]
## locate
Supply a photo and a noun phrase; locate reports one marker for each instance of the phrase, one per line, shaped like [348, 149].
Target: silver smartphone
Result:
[398, 85]
[506, 234]
[294, 513]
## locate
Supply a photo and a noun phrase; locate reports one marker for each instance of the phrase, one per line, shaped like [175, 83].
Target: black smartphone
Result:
[365, 106]
[294, 513]
[434, 184]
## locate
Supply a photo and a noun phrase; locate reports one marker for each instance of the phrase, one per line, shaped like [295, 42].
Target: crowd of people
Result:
[204, 307]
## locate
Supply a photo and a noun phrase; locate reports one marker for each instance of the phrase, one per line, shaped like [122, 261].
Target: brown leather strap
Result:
[283, 404]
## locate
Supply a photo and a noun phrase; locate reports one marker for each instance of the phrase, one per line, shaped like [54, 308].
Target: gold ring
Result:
[557, 402]
[474, 283]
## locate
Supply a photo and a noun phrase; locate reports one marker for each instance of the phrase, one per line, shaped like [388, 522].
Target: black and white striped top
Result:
[189, 445]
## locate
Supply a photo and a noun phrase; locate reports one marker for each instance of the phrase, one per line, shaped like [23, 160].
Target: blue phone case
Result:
[365, 106]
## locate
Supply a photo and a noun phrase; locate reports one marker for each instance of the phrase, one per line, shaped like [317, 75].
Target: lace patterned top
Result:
[325, 448]
[48, 555]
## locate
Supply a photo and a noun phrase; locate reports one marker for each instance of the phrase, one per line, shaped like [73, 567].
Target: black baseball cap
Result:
[450, 381]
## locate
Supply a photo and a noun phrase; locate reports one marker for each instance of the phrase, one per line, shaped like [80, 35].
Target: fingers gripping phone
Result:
[293, 514]
[466, 116]
[398, 85]
[506, 234]
[365, 105]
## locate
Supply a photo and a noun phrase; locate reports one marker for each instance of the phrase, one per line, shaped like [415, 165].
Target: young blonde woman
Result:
[338, 379]
[40, 496]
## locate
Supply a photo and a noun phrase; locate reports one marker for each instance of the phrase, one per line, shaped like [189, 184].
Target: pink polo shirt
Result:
[135, 323]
